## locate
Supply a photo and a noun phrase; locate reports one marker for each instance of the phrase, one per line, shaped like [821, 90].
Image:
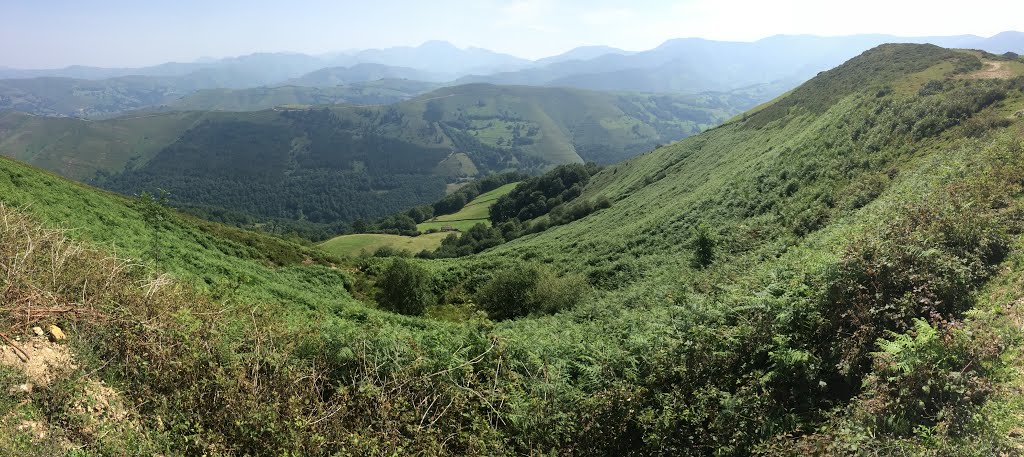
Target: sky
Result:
[129, 33]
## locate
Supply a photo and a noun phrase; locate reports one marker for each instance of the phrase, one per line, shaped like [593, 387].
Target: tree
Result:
[405, 288]
[526, 288]
[509, 294]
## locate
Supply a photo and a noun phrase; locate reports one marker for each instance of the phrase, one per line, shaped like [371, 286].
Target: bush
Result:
[925, 263]
[703, 245]
[928, 377]
[405, 288]
[525, 289]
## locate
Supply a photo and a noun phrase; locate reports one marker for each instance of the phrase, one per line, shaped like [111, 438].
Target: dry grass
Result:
[42, 272]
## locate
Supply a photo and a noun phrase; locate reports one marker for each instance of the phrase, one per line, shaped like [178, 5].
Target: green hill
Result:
[475, 212]
[367, 243]
[329, 165]
[836, 273]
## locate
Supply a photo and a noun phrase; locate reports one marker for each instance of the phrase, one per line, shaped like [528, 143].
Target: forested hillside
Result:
[312, 168]
[836, 272]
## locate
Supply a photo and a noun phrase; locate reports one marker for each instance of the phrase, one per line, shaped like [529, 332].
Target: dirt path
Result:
[992, 70]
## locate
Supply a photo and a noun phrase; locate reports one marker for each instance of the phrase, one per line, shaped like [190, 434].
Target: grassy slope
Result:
[475, 212]
[367, 243]
[210, 256]
[241, 345]
[78, 148]
[736, 180]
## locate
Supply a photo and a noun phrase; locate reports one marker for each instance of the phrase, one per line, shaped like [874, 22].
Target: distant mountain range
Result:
[687, 65]
[692, 65]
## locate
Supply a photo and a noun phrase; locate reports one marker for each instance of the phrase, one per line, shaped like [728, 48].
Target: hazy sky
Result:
[56, 33]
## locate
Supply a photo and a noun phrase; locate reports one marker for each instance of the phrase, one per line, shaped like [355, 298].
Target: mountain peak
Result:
[438, 45]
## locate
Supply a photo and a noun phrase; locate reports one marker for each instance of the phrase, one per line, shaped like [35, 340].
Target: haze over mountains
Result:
[686, 65]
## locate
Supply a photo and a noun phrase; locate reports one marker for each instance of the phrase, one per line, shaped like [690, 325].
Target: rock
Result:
[56, 334]
[38, 331]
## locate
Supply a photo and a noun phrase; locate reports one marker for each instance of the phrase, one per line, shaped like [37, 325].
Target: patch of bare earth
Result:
[96, 408]
[38, 358]
[992, 70]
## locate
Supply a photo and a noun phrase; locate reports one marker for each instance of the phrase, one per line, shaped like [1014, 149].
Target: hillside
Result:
[106, 98]
[836, 272]
[378, 92]
[432, 230]
[336, 164]
[865, 199]
[340, 76]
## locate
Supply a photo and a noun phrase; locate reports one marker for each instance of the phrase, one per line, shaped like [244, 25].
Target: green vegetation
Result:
[379, 92]
[532, 206]
[542, 194]
[475, 212]
[841, 276]
[400, 234]
[368, 243]
[526, 289]
[314, 171]
[404, 288]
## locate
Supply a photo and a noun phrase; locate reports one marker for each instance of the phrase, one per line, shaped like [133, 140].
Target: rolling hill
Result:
[339, 76]
[129, 95]
[378, 92]
[332, 164]
[836, 272]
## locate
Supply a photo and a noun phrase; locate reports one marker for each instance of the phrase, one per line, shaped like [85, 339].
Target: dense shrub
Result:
[702, 242]
[925, 264]
[405, 288]
[928, 376]
[525, 289]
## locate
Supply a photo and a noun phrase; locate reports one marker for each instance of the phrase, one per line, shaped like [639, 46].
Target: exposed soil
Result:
[992, 70]
[46, 360]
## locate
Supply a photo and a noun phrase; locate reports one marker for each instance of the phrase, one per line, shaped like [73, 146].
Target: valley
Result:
[794, 246]
[364, 161]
